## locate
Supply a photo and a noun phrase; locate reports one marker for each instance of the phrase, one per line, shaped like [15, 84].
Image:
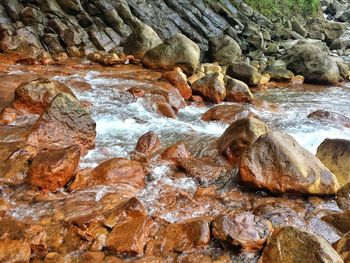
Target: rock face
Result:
[14, 251]
[225, 50]
[239, 136]
[335, 155]
[277, 162]
[227, 113]
[312, 63]
[290, 245]
[64, 123]
[51, 170]
[244, 72]
[211, 87]
[177, 51]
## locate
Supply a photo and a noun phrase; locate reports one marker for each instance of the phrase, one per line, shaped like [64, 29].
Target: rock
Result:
[227, 113]
[277, 162]
[112, 172]
[179, 81]
[165, 109]
[35, 96]
[237, 91]
[239, 136]
[244, 230]
[7, 116]
[340, 221]
[130, 237]
[193, 233]
[92, 257]
[64, 123]
[343, 197]
[148, 143]
[14, 251]
[279, 74]
[312, 63]
[244, 72]
[225, 50]
[73, 52]
[176, 153]
[288, 245]
[177, 51]
[208, 68]
[72, 7]
[51, 170]
[343, 247]
[4, 207]
[331, 117]
[299, 28]
[335, 155]
[257, 40]
[142, 39]
[211, 87]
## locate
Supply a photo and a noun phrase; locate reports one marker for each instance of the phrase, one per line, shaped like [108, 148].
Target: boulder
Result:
[14, 251]
[64, 123]
[245, 230]
[177, 51]
[237, 91]
[330, 117]
[211, 87]
[142, 39]
[239, 136]
[179, 80]
[72, 7]
[227, 113]
[343, 197]
[244, 72]
[279, 74]
[51, 170]
[148, 143]
[225, 50]
[278, 163]
[176, 153]
[343, 246]
[165, 109]
[340, 221]
[312, 63]
[299, 28]
[290, 245]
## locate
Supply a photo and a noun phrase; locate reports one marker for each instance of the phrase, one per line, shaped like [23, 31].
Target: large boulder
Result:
[244, 72]
[237, 91]
[225, 50]
[142, 39]
[177, 51]
[312, 63]
[335, 155]
[291, 245]
[239, 136]
[278, 163]
[211, 87]
[64, 123]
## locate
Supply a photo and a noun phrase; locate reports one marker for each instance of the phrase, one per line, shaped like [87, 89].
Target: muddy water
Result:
[170, 195]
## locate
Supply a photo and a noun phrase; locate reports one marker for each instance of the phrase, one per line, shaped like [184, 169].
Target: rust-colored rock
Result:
[14, 251]
[7, 116]
[239, 136]
[52, 169]
[179, 81]
[245, 230]
[130, 237]
[343, 197]
[165, 109]
[343, 247]
[340, 221]
[3, 207]
[176, 153]
[64, 123]
[227, 113]
[237, 91]
[331, 117]
[148, 143]
[211, 87]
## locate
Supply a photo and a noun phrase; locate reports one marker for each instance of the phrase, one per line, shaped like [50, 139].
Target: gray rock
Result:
[225, 50]
[244, 72]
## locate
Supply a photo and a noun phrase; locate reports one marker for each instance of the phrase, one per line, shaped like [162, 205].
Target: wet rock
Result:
[186, 235]
[239, 136]
[331, 117]
[343, 247]
[340, 221]
[288, 244]
[244, 230]
[130, 237]
[142, 39]
[227, 113]
[92, 257]
[312, 63]
[112, 172]
[176, 153]
[335, 155]
[3, 207]
[51, 170]
[178, 51]
[148, 143]
[37, 238]
[45, 58]
[279, 74]
[244, 72]
[64, 123]
[19, 46]
[7, 116]
[237, 91]
[14, 251]
[165, 109]
[225, 50]
[343, 197]
[211, 87]
[179, 81]
[73, 52]
[277, 162]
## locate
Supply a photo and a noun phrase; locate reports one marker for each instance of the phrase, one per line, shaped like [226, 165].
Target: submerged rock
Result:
[277, 162]
[176, 153]
[331, 117]
[211, 87]
[148, 143]
[227, 113]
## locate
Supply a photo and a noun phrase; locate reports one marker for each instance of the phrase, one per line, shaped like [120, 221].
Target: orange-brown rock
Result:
[179, 81]
[343, 197]
[64, 123]
[340, 221]
[227, 113]
[112, 172]
[193, 233]
[3, 207]
[331, 117]
[211, 87]
[52, 169]
[176, 153]
[148, 143]
[14, 251]
[342, 246]
[130, 237]
[92, 257]
[7, 116]
[244, 230]
[237, 91]
[165, 109]
[239, 136]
